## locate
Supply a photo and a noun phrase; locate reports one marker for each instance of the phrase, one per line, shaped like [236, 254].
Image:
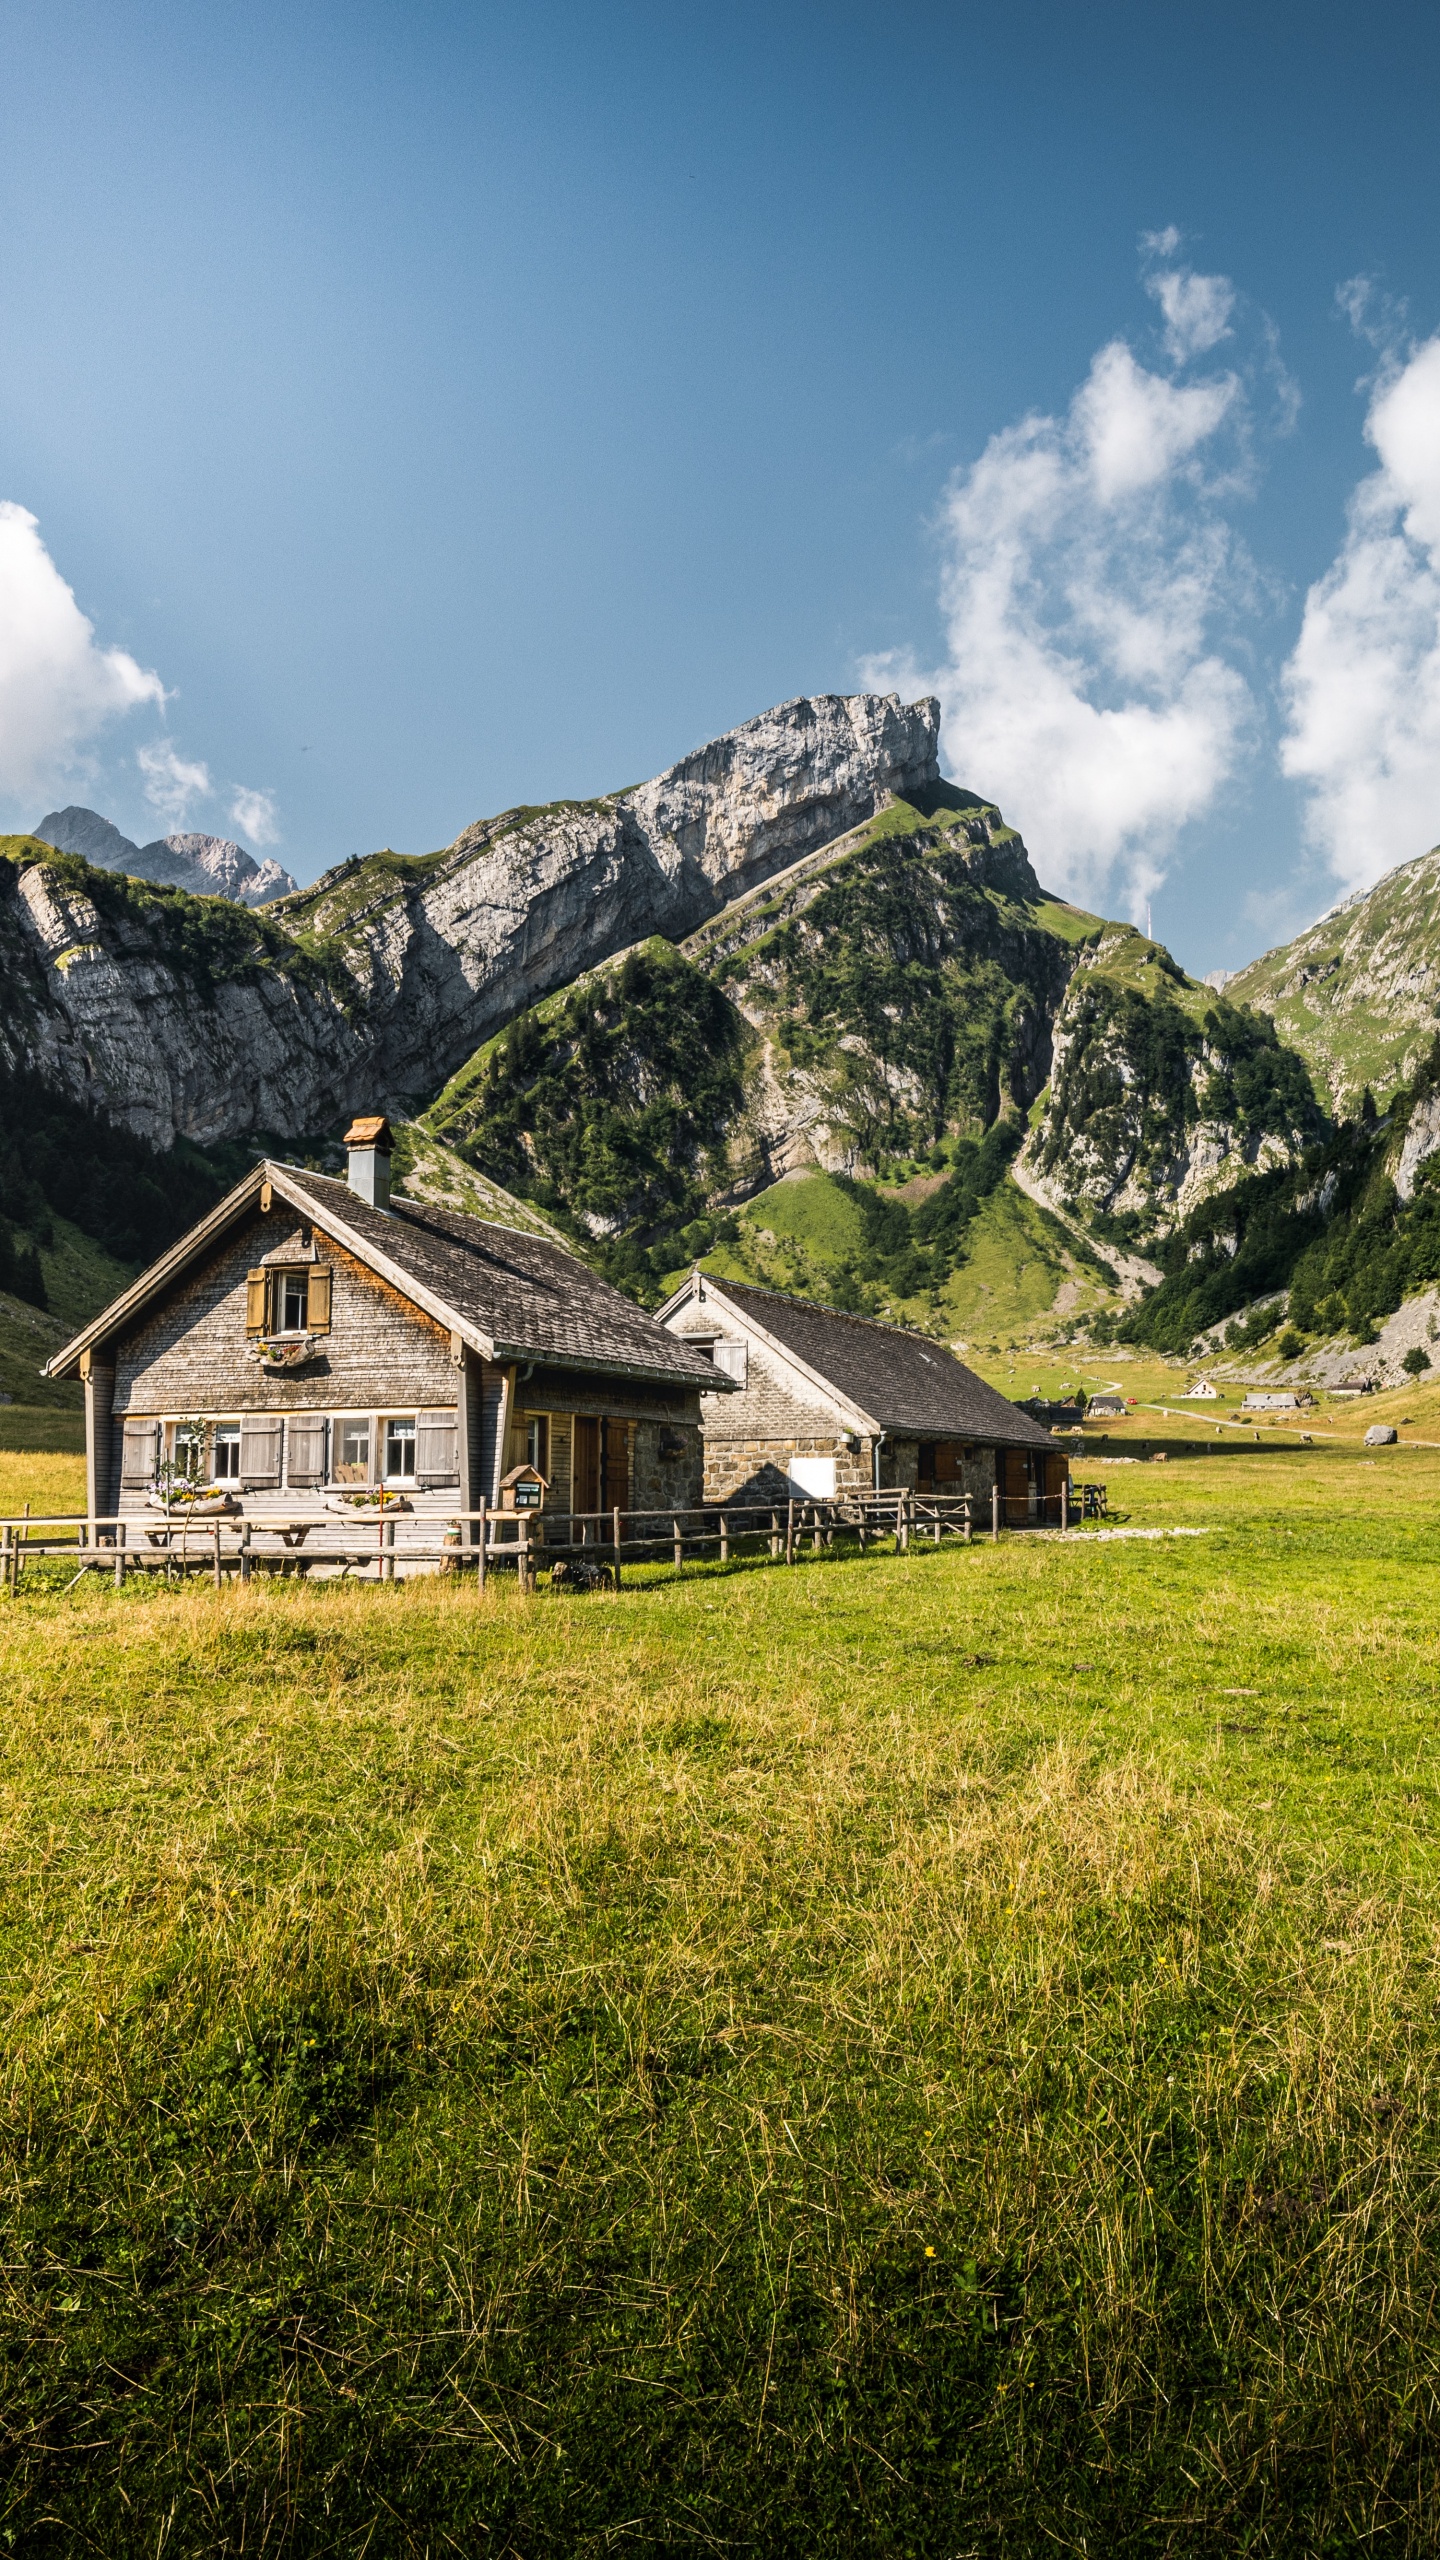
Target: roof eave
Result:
[132, 1301]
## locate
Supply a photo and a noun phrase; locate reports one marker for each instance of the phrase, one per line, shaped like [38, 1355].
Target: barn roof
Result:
[511, 1296]
[892, 1379]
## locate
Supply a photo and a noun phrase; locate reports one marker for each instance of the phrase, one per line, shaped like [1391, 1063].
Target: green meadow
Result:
[930, 2055]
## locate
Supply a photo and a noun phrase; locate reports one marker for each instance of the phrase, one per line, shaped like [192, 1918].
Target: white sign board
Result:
[813, 1479]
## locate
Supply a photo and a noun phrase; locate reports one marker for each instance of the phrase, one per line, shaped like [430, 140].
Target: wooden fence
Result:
[479, 1542]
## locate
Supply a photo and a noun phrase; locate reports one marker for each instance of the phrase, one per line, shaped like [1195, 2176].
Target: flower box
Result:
[206, 1505]
[284, 1351]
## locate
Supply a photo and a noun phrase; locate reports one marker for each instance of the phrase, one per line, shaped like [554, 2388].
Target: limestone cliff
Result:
[195, 1018]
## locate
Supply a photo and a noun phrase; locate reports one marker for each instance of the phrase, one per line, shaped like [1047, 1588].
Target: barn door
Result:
[1015, 1484]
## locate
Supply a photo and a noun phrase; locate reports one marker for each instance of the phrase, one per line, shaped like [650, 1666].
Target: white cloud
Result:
[58, 688]
[172, 785]
[1362, 685]
[256, 816]
[1088, 568]
[1196, 309]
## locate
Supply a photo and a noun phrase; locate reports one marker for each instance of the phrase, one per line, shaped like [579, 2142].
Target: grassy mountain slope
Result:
[866, 1019]
[1359, 994]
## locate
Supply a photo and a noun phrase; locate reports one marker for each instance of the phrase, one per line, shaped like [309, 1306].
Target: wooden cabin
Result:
[313, 1342]
[808, 1401]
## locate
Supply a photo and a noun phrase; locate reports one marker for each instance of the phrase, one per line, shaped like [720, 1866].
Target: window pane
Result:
[293, 1295]
[400, 1445]
[225, 1464]
[352, 1463]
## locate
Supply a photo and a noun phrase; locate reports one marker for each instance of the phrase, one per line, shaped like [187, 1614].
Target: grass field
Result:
[928, 2056]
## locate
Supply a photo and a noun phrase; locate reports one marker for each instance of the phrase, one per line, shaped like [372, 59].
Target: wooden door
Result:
[615, 1466]
[1015, 1486]
[586, 1479]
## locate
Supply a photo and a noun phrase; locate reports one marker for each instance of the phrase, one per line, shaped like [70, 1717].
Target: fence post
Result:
[387, 1531]
[522, 1555]
[790, 1530]
[724, 1535]
[217, 1555]
[995, 1511]
[617, 1546]
[969, 1520]
[245, 1537]
[679, 1541]
[120, 1555]
[1064, 1502]
[774, 1535]
[902, 1525]
[484, 1534]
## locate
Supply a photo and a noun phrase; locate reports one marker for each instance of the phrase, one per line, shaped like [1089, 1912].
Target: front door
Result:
[602, 1463]
[1017, 1485]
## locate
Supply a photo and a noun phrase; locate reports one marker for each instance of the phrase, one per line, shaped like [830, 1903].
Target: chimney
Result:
[368, 1145]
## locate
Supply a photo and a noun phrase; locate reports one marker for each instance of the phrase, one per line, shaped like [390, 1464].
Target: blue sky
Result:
[434, 408]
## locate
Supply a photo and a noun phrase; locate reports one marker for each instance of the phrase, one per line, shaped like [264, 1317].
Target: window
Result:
[537, 1443]
[291, 1300]
[188, 1454]
[734, 1359]
[225, 1462]
[399, 1447]
[351, 1446]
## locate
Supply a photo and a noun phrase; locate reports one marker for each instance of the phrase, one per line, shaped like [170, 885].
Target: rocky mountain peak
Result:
[207, 866]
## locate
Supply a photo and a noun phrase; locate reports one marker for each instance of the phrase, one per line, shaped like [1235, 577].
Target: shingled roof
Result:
[512, 1296]
[898, 1381]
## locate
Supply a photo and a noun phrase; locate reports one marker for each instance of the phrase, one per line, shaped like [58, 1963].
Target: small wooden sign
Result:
[524, 1489]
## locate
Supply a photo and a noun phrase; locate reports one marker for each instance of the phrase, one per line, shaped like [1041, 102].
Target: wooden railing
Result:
[481, 1541]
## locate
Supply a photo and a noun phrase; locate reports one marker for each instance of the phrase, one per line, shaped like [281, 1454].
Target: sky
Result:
[407, 412]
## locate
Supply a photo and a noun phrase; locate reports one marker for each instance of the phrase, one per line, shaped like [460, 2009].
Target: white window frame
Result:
[388, 1423]
[224, 1435]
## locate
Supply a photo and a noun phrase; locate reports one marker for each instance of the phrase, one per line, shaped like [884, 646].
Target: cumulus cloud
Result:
[1362, 685]
[171, 785]
[1089, 577]
[256, 815]
[58, 687]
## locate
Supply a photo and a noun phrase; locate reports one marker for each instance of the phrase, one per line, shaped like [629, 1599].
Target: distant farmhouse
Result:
[315, 1337]
[829, 1403]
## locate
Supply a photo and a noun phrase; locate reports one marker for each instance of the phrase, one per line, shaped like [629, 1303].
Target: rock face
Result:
[447, 950]
[1160, 1093]
[376, 984]
[208, 866]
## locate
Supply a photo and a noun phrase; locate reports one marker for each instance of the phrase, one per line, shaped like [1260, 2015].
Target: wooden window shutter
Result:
[306, 1460]
[259, 1450]
[256, 1293]
[318, 1302]
[436, 1449]
[137, 1458]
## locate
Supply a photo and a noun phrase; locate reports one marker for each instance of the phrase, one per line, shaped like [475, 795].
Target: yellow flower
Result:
[929, 2253]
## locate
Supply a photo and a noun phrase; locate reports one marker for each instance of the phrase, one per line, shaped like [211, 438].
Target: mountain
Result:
[1358, 995]
[830, 1077]
[205, 1021]
[796, 1003]
[208, 866]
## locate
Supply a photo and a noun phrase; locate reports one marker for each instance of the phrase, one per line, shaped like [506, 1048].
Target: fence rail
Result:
[586, 1544]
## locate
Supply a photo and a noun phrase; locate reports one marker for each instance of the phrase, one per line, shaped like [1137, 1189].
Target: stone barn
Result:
[812, 1402]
